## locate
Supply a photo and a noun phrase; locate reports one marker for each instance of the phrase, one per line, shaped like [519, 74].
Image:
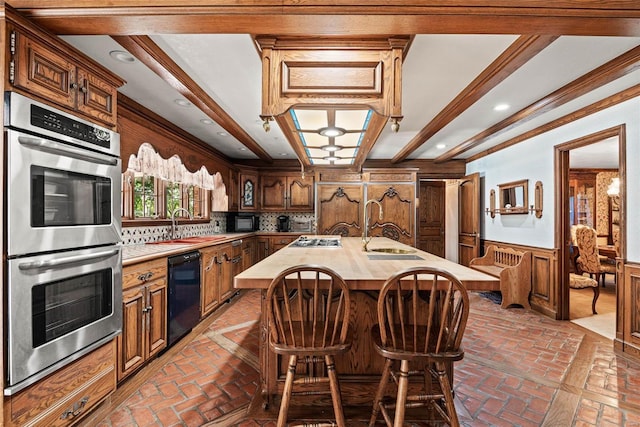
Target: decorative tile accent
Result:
[140, 235]
[268, 221]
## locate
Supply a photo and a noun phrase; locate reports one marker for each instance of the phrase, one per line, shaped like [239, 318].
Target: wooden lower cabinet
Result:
[279, 242]
[144, 315]
[210, 282]
[248, 252]
[66, 396]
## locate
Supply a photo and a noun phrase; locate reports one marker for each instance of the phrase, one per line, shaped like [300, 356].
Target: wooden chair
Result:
[577, 281]
[422, 314]
[588, 260]
[308, 309]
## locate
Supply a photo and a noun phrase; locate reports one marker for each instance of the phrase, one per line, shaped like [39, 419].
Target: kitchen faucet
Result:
[365, 221]
[172, 232]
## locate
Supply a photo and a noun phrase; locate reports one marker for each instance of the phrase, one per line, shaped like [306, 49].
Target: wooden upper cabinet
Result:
[248, 191]
[45, 67]
[286, 192]
[233, 190]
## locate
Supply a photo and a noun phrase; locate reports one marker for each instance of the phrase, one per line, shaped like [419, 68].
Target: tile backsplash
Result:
[148, 234]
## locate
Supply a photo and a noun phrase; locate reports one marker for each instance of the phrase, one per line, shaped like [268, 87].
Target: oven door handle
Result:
[57, 148]
[65, 260]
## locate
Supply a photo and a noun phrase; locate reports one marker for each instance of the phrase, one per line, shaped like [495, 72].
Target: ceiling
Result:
[439, 70]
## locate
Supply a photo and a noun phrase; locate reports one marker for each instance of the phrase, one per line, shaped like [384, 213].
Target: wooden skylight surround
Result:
[332, 73]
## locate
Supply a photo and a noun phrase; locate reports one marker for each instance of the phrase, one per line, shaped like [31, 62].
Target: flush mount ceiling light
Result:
[332, 158]
[331, 148]
[122, 56]
[182, 103]
[331, 131]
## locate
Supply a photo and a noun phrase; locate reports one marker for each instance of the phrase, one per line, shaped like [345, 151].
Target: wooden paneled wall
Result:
[544, 277]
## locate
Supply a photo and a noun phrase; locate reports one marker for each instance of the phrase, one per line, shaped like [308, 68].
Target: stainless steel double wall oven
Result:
[63, 282]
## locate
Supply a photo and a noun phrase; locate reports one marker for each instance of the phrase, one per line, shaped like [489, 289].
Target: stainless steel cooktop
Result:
[317, 242]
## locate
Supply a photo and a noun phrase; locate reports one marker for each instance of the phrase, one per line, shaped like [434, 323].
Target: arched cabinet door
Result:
[340, 209]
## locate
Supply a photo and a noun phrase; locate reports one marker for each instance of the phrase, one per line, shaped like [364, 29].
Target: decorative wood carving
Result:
[332, 72]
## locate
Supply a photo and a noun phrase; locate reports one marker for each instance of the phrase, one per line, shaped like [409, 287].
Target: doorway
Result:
[591, 157]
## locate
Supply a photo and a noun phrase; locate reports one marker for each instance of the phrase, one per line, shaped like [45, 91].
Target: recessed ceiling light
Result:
[182, 102]
[283, 154]
[242, 149]
[331, 131]
[206, 121]
[331, 148]
[501, 107]
[222, 134]
[440, 146]
[122, 56]
[332, 158]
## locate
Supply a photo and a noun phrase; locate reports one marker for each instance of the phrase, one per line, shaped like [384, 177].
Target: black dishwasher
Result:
[184, 295]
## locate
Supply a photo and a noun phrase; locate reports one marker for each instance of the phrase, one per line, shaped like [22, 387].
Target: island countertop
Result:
[361, 270]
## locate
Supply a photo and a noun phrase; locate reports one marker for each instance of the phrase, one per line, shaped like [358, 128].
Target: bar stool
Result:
[320, 297]
[422, 314]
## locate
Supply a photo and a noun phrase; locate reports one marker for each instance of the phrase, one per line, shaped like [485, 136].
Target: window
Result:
[153, 188]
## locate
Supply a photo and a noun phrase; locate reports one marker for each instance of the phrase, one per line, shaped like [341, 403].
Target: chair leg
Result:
[384, 380]
[403, 387]
[335, 390]
[286, 393]
[445, 385]
[596, 294]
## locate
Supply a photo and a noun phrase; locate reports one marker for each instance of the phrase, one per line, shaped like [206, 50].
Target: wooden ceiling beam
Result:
[342, 17]
[606, 73]
[150, 54]
[515, 56]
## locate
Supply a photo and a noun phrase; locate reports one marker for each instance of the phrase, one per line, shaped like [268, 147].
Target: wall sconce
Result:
[491, 210]
[537, 200]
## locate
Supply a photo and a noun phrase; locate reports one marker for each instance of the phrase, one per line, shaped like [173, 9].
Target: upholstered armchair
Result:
[588, 260]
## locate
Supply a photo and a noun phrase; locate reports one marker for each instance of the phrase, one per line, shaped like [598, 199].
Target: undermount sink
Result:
[392, 250]
[190, 240]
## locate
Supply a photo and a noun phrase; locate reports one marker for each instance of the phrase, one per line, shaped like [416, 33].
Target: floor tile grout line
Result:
[236, 350]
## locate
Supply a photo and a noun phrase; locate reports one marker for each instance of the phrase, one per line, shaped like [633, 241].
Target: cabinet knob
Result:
[83, 89]
[145, 276]
[73, 85]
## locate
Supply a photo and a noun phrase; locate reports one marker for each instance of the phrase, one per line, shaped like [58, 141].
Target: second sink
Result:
[392, 250]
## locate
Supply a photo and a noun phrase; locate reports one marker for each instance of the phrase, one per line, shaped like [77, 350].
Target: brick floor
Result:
[520, 369]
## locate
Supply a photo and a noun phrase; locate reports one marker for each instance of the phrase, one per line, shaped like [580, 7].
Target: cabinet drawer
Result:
[67, 395]
[138, 274]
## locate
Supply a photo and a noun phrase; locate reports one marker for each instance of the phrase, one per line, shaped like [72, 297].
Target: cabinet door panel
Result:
[300, 195]
[96, 98]
[340, 209]
[273, 192]
[157, 316]
[398, 205]
[226, 273]
[210, 277]
[131, 342]
[44, 73]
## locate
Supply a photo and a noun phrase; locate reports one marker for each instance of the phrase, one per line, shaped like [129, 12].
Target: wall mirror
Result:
[514, 197]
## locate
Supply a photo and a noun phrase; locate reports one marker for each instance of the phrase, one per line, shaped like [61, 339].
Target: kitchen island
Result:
[364, 273]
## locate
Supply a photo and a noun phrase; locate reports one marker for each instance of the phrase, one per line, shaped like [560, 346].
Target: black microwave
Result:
[242, 222]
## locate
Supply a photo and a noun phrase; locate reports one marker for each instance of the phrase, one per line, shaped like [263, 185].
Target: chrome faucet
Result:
[172, 232]
[365, 221]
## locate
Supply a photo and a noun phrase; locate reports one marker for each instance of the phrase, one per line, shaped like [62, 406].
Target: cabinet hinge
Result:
[12, 71]
[12, 43]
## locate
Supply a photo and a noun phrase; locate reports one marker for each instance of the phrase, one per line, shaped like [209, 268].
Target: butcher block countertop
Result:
[361, 270]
